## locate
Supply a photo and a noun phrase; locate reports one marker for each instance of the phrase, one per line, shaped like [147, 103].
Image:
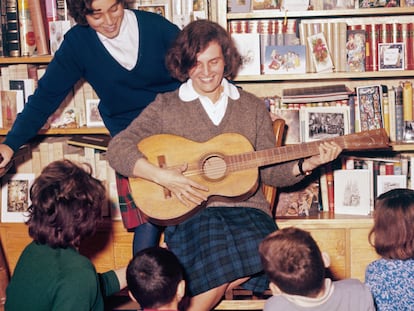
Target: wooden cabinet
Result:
[344, 238]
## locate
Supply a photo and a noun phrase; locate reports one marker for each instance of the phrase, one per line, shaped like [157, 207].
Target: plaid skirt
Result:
[131, 215]
[219, 245]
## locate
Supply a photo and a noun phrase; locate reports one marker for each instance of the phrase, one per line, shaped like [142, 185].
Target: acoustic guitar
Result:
[227, 164]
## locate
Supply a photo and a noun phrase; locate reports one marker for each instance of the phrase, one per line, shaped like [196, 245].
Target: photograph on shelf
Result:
[15, 197]
[370, 107]
[391, 56]
[318, 123]
[408, 133]
[334, 4]
[295, 5]
[350, 192]
[320, 53]
[378, 3]
[299, 200]
[93, 116]
[248, 45]
[355, 50]
[239, 6]
[285, 59]
[291, 134]
[161, 7]
[265, 4]
[389, 182]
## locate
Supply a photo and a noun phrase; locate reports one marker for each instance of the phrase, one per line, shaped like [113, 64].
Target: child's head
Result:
[393, 233]
[155, 278]
[66, 204]
[293, 262]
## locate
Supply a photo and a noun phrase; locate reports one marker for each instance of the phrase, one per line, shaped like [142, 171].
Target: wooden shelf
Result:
[44, 59]
[68, 131]
[327, 13]
[328, 76]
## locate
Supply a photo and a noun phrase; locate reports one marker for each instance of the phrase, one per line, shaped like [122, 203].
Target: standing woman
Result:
[218, 246]
[121, 53]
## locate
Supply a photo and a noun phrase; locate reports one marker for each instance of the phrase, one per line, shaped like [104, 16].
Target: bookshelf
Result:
[344, 237]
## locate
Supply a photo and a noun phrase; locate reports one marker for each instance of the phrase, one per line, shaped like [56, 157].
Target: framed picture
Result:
[388, 182]
[161, 7]
[292, 131]
[299, 200]
[265, 4]
[93, 117]
[350, 192]
[391, 56]
[239, 6]
[318, 123]
[15, 197]
[370, 107]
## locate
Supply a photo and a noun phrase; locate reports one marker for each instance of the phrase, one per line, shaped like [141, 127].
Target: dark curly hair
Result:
[66, 204]
[195, 38]
[78, 9]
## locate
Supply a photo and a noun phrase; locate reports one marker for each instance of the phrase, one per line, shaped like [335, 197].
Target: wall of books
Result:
[332, 68]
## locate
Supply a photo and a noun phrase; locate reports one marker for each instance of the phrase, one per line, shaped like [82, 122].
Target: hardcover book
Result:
[350, 189]
[370, 107]
[320, 53]
[285, 59]
[248, 45]
[355, 50]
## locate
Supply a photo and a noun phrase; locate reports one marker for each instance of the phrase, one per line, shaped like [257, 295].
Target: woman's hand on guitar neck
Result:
[328, 151]
[186, 190]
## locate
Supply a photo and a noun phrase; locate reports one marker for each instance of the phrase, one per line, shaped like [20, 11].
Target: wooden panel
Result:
[361, 252]
[122, 245]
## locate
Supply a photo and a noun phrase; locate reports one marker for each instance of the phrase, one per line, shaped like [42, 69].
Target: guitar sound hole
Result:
[214, 168]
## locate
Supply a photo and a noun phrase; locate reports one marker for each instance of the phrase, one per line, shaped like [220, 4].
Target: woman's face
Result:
[208, 72]
[106, 17]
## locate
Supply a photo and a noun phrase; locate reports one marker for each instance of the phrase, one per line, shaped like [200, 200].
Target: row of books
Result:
[292, 5]
[332, 110]
[18, 82]
[317, 45]
[349, 185]
[30, 27]
[31, 158]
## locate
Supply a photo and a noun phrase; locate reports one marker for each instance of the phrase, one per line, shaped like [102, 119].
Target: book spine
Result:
[330, 188]
[410, 48]
[12, 33]
[27, 36]
[407, 96]
[385, 109]
[399, 114]
[391, 103]
[39, 29]
[3, 28]
[404, 38]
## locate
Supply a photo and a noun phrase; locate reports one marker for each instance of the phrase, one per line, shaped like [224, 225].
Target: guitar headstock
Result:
[372, 139]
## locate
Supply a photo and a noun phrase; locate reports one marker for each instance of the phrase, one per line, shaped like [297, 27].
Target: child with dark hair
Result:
[296, 269]
[391, 278]
[155, 279]
[66, 204]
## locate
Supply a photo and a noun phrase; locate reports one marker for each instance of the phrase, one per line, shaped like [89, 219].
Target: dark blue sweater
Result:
[123, 93]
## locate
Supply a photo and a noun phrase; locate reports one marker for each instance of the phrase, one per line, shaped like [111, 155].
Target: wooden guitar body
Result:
[227, 164]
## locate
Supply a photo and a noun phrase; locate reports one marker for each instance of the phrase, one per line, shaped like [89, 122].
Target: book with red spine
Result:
[38, 18]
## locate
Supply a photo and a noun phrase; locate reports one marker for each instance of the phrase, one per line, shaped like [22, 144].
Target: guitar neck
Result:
[374, 139]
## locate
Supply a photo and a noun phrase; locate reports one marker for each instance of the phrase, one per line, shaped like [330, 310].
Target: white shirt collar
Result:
[188, 93]
[124, 47]
[312, 302]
